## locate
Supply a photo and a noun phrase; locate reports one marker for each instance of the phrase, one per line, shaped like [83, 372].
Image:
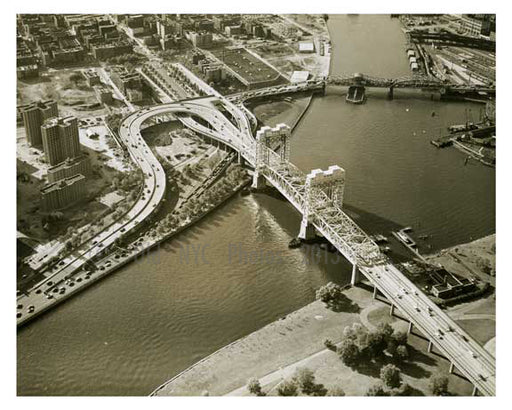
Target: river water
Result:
[233, 273]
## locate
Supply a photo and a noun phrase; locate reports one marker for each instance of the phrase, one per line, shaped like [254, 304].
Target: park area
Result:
[273, 358]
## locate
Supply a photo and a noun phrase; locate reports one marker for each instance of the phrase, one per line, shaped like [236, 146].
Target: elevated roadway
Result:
[204, 116]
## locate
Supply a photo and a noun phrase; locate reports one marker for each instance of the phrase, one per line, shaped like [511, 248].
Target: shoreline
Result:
[151, 247]
[250, 353]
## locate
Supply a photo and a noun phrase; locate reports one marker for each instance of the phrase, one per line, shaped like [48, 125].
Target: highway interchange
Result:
[203, 116]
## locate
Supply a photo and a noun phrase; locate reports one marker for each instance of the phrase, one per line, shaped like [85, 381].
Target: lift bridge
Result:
[417, 81]
[318, 196]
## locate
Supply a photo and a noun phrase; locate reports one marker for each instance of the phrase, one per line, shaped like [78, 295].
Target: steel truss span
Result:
[321, 211]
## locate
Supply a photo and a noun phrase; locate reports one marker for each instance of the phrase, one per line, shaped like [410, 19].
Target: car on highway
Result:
[31, 309]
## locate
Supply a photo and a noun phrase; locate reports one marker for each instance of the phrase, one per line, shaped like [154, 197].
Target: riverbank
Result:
[288, 112]
[85, 279]
[472, 260]
[273, 353]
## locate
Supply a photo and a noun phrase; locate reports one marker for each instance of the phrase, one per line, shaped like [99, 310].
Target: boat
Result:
[295, 243]
[355, 94]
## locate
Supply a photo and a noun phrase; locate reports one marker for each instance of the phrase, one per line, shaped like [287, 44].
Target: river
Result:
[233, 273]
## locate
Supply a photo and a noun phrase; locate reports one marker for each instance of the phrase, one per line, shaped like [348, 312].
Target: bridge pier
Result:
[452, 366]
[307, 231]
[375, 290]
[409, 330]
[392, 310]
[390, 93]
[258, 181]
[475, 391]
[356, 275]
[429, 347]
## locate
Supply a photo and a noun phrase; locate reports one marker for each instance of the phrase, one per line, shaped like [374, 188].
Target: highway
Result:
[203, 116]
[148, 201]
[48, 292]
[472, 360]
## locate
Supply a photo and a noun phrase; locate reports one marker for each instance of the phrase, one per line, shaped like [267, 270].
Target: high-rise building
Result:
[63, 193]
[60, 139]
[68, 168]
[34, 115]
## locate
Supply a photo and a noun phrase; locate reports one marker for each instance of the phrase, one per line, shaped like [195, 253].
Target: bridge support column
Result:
[429, 347]
[258, 181]
[452, 366]
[240, 159]
[307, 231]
[355, 279]
[390, 93]
[375, 292]
[409, 330]
[392, 310]
[475, 391]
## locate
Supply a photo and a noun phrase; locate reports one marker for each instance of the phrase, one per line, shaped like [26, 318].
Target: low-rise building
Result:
[107, 50]
[27, 71]
[306, 47]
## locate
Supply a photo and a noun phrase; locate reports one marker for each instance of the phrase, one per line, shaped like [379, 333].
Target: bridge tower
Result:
[322, 188]
[277, 139]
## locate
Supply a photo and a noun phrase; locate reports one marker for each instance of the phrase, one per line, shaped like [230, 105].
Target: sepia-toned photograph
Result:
[255, 204]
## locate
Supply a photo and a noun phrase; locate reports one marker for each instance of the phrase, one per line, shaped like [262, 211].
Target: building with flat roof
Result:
[60, 139]
[92, 77]
[299, 76]
[103, 94]
[108, 50]
[34, 115]
[201, 39]
[63, 193]
[125, 80]
[306, 47]
[69, 168]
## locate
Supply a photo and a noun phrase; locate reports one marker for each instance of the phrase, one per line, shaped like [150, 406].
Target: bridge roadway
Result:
[467, 355]
[418, 82]
[148, 201]
[471, 359]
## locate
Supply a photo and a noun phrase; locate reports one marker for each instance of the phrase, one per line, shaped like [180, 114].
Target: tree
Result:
[254, 387]
[390, 375]
[305, 380]
[349, 352]
[287, 388]
[484, 265]
[330, 345]
[438, 384]
[330, 293]
[401, 353]
[400, 338]
[377, 390]
[376, 343]
[336, 391]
